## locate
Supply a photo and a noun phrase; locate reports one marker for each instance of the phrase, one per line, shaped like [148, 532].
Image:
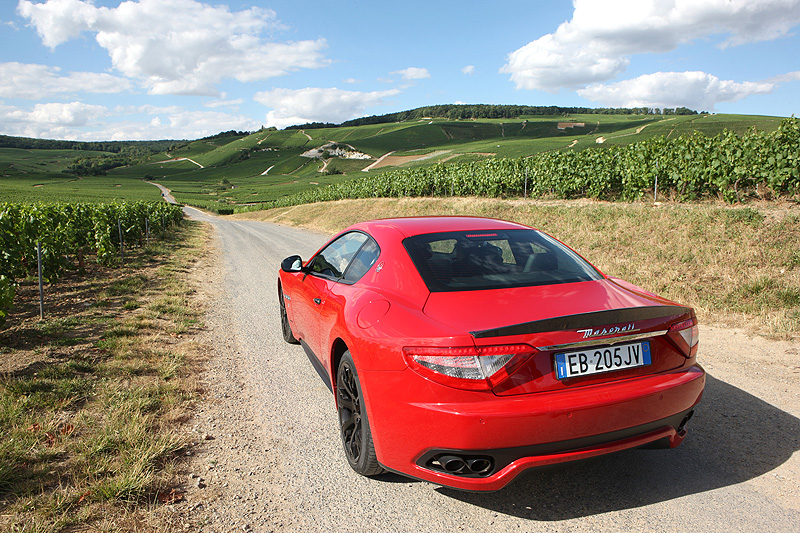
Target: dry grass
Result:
[737, 266]
[92, 398]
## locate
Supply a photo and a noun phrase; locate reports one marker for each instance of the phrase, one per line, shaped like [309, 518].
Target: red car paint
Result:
[422, 422]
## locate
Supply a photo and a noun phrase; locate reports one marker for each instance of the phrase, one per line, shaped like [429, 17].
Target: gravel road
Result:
[269, 457]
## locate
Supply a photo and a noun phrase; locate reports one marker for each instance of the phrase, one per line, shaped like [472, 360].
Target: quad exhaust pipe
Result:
[465, 466]
[484, 465]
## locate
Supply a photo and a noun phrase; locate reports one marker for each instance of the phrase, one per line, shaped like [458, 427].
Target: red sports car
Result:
[464, 350]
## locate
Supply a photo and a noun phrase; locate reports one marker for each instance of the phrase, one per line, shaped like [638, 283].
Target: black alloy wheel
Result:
[286, 328]
[353, 423]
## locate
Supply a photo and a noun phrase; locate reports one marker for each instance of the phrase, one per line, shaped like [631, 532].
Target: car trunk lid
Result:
[568, 319]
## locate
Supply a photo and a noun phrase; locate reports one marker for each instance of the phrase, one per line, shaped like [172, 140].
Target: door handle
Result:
[318, 301]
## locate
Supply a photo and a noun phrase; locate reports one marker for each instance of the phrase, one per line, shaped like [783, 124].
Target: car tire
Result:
[286, 328]
[353, 423]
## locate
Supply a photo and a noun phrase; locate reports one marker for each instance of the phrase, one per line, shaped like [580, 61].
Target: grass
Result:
[91, 427]
[737, 266]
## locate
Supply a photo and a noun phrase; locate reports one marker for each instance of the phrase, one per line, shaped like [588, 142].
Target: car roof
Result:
[411, 226]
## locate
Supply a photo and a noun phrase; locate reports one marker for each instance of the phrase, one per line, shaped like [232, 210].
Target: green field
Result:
[37, 175]
[16, 162]
[242, 169]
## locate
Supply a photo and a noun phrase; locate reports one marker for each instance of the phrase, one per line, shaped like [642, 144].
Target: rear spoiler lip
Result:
[582, 321]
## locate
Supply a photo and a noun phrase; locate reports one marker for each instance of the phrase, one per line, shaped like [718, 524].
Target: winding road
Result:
[270, 458]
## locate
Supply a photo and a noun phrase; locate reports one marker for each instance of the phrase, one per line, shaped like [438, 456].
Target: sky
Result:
[184, 69]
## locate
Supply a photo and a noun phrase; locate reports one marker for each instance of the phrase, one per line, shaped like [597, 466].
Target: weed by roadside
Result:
[92, 397]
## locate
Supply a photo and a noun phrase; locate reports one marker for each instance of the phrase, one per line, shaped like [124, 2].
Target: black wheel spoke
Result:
[347, 404]
[350, 387]
[353, 425]
[353, 439]
[348, 424]
[350, 413]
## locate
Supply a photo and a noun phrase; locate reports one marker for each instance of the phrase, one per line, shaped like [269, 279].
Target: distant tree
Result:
[476, 111]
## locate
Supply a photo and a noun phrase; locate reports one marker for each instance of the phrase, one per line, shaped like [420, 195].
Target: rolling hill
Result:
[235, 168]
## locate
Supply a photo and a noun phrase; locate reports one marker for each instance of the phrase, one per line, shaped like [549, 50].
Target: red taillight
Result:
[686, 335]
[468, 367]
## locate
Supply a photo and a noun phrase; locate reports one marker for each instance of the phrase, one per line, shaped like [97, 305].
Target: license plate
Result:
[603, 359]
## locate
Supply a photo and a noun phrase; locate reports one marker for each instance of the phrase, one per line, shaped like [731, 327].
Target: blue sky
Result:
[183, 69]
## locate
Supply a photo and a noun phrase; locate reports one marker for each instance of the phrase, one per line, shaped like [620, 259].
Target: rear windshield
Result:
[472, 260]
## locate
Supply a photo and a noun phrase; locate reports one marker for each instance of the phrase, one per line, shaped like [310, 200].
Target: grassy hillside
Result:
[37, 175]
[18, 162]
[240, 168]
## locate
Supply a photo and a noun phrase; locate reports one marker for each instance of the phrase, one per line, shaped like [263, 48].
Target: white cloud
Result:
[177, 46]
[789, 76]
[79, 121]
[146, 109]
[71, 114]
[58, 21]
[51, 120]
[469, 69]
[31, 81]
[413, 73]
[11, 119]
[595, 45]
[312, 104]
[189, 124]
[695, 90]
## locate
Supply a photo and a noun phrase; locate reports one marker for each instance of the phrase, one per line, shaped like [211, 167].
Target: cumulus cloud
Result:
[80, 121]
[177, 46]
[58, 21]
[69, 114]
[31, 81]
[413, 73]
[596, 44]
[695, 90]
[51, 120]
[469, 69]
[189, 124]
[312, 104]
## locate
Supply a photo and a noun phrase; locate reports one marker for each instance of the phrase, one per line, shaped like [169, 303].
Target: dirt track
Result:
[271, 458]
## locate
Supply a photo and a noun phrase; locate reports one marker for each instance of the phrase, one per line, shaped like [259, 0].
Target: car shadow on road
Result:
[734, 437]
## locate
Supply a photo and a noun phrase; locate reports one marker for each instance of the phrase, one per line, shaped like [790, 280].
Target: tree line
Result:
[485, 111]
[100, 165]
[26, 143]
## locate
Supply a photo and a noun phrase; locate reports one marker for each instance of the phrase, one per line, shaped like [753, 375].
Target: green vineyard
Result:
[689, 167]
[66, 232]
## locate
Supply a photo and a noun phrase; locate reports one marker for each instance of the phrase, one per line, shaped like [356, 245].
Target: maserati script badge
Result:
[589, 333]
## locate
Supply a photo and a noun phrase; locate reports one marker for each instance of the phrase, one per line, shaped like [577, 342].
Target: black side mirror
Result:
[292, 263]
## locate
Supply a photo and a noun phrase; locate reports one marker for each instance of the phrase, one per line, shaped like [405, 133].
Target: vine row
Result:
[64, 229]
[690, 167]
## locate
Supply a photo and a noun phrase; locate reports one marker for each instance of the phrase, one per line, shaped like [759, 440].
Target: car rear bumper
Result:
[412, 430]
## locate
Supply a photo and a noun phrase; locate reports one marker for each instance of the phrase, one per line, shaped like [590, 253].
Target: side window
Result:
[364, 259]
[333, 260]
